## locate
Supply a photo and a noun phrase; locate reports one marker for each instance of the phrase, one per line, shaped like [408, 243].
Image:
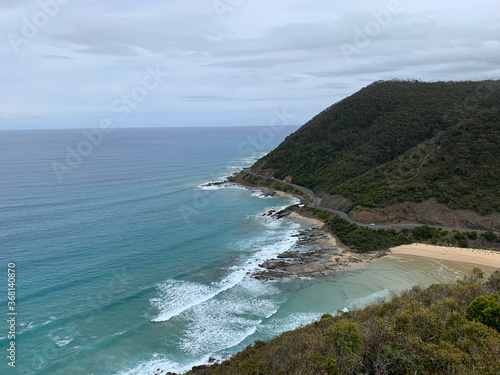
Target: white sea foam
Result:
[292, 201]
[228, 185]
[207, 186]
[31, 325]
[271, 313]
[250, 160]
[359, 303]
[223, 323]
[59, 339]
[62, 341]
[177, 297]
[258, 288]
[181, 296]
[225, 314]
[216, 330]
[260, 194]
[161, 362]
[232, 169]
[291, 322]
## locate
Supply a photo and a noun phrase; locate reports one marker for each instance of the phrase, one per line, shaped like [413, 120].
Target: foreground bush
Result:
[423, 331]
[485, 310]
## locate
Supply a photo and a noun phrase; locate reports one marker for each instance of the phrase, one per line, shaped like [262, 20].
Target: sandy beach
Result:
[461, 259]
[332, 257]
[458, 258]
[312, 220]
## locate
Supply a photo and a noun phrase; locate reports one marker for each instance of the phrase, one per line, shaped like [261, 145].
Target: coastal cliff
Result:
[402, 151]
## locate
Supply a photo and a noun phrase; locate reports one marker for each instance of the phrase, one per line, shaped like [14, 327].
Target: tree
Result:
[485, 310]
[489, 235]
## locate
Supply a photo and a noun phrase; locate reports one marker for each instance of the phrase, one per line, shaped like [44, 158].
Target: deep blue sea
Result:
[126, 263]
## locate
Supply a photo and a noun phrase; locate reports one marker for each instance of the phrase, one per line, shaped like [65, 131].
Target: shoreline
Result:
[320, 265]
[462, 259]
[318, 254]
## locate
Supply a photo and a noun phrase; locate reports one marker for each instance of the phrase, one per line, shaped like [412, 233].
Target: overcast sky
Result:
[69, 63]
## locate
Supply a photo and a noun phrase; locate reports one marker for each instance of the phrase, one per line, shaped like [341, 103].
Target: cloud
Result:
[7, 4]
[255, 63]
[333, 85]
[423, 59]
[258, 54]
[111, 49]
[208, 98]
[57, 57]
[292, 79]
[216, 98]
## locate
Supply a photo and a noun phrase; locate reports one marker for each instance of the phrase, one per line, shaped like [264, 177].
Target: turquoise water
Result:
[126, 263]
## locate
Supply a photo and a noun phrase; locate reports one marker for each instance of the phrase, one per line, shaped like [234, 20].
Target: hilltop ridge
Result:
[402, 151]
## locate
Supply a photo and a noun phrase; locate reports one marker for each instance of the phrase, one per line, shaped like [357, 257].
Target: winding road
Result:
[316, 203]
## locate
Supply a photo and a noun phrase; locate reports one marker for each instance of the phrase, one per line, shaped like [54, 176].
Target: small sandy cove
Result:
[455, 257]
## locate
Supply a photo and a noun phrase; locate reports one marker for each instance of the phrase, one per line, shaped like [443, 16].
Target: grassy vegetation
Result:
[401, 141]
[362, 239]
[460, 167]
[359, 238]
[437, 330]
[244, 178]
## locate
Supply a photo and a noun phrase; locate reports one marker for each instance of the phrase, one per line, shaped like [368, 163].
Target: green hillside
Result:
[400, 141]
[444, 329]
[459, 167]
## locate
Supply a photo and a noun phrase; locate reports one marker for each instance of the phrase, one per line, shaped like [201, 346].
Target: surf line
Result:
[238, 277]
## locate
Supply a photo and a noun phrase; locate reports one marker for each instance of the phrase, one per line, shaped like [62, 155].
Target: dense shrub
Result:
[460, 238]
[472, 235]
[490, 236]
[423, 331]
[425, 233]
[365, 239]
[485, 310]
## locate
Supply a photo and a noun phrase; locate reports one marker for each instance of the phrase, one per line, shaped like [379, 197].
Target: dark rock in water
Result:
[217, 183]
[287, 211]
[267, 275]
[354, 260]
[269, 194]
[201, 367]
[269, 213]
[309, 257]
[232, 178]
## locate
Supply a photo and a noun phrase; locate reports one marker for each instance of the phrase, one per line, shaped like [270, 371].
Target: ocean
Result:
[126, 263]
